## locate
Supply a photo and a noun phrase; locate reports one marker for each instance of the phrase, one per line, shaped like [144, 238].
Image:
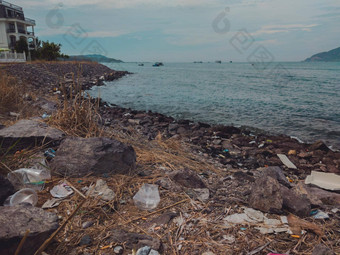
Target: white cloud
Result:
[273, 29]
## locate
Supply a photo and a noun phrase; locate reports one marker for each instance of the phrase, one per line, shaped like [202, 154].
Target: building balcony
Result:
[13, 6]
[31, 21]
[11, 30]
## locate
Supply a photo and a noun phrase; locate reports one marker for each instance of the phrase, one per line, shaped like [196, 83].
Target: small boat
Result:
[218, 61]
[230, 61]
[158, 64]
[198, 62]
[141, 64]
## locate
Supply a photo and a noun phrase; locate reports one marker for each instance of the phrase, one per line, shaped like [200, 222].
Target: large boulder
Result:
[16, 220]
[6, 189]
[266, 195]
[295, 203]
[80, 156]
[28, 133]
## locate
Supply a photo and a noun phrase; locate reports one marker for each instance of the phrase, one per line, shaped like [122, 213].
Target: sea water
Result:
[298, 99]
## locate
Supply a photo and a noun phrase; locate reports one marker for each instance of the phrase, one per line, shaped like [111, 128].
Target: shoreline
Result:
[212, 140]
[206, 176]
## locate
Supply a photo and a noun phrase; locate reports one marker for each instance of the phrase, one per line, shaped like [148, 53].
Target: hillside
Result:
[330, 56]
[95, 58]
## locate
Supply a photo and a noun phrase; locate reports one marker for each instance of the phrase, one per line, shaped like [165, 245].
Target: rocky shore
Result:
[224, 190]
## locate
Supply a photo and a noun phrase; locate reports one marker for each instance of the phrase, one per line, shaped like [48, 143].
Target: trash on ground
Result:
[327, 181]
[50, 153]
[259, 220]
[29, 178]
[23, 196]
[101, 189]
[62, 190]
[147, 198]
[320, 215]
[51, 203]
[285, 160]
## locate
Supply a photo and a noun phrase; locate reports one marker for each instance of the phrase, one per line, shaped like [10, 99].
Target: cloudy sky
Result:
[188, 30]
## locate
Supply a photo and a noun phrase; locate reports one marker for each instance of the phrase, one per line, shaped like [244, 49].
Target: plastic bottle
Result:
[29, 178]
[24, 196]
[147, 198]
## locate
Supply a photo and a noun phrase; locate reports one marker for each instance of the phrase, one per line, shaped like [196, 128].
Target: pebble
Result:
[85, 240]
[118, 250]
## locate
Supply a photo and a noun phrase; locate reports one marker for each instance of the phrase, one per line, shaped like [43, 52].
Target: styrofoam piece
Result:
[285, 160]
[327, 181]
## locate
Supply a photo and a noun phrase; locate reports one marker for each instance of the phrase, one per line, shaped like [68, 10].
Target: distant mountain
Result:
[95, 58]
[330, 56]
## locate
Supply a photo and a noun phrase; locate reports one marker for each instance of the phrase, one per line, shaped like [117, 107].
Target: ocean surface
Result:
[297, 99]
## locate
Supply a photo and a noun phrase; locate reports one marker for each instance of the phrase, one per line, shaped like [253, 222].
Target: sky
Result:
[188, 30]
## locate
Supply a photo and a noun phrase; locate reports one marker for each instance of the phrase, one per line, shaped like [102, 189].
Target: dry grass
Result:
[10, 99]
[77, 116]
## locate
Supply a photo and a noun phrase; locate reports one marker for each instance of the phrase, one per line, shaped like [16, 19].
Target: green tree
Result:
[21, 46]
[50, 51]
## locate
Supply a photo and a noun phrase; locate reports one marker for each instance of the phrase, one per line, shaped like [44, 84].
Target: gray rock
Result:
[188, 179]
[87, 224]
[80, 156]
[276, 173]
[322, 250]
[134, 240]
[85, 240]
[29, 133]
[294, 203]
[15, 220]
[266, 195]
[147, 251]
[6, 189]
[319, 145]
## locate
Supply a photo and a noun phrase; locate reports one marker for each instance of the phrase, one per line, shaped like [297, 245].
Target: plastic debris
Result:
[147, 198]
[320, 215]
[101, 189]
[29, 178]
[23, 196]
[285, 160]
[51, 203]
[62, 190]
[327, 181]
[259, 220]
[50, 153]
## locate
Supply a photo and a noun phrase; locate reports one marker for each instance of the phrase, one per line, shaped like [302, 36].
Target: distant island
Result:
[330, 56]
[94, 58]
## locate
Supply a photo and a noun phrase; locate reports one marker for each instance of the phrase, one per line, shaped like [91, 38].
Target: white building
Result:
[14, 25]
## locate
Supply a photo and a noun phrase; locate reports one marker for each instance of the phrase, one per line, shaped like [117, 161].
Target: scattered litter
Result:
[147, 198]
[24, 196]
[51, 203]
[292, 152]
[320, 215]
[285, 160]
[101, 189]
[327, 181]
[50, 153]
[226, 150]
[335, 210]
[62, 190]
[295, 236]
[45, 116]
[259, 220]
[29, 178]
[243, 229]
[261, 145]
